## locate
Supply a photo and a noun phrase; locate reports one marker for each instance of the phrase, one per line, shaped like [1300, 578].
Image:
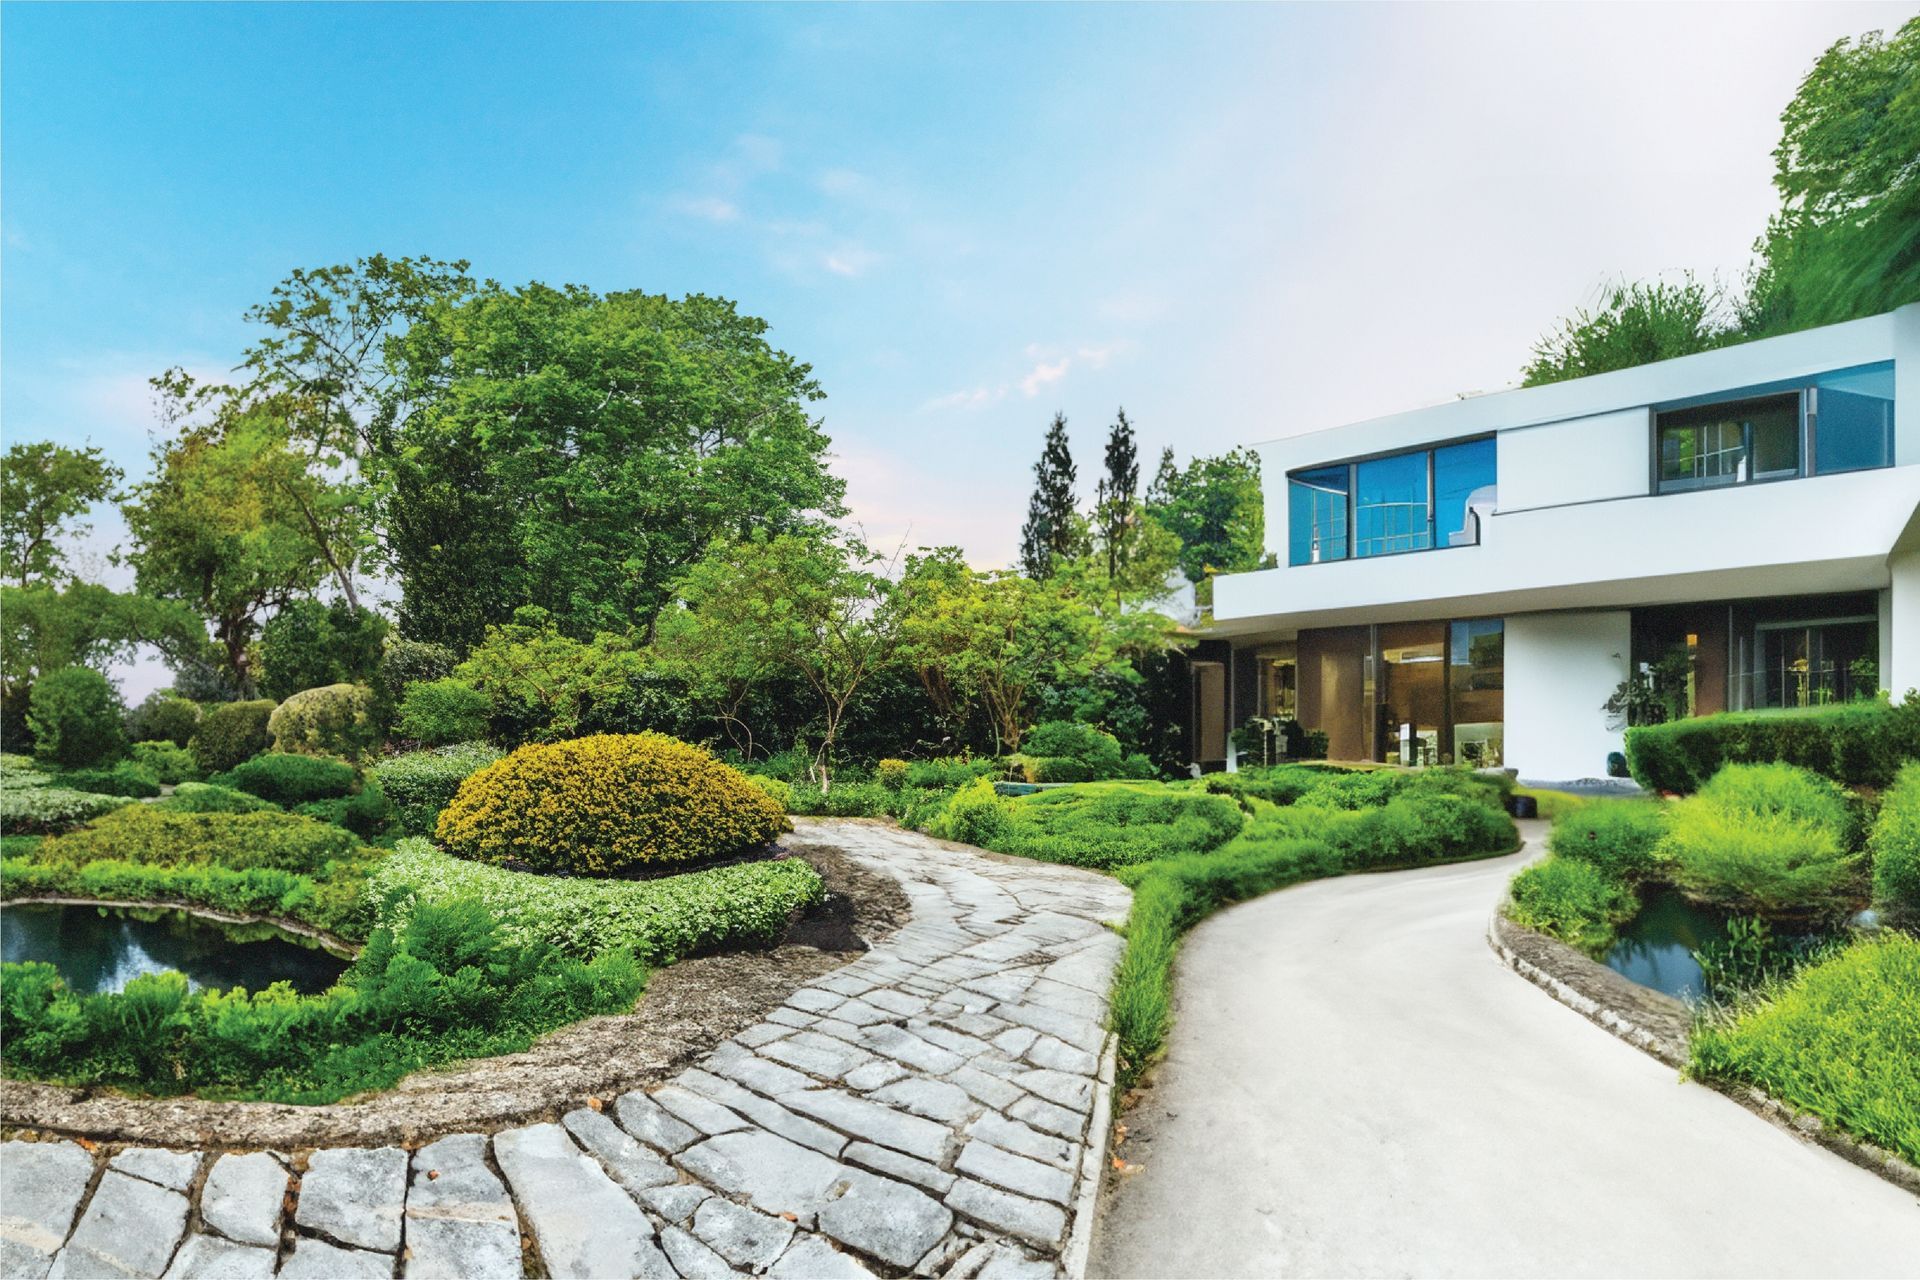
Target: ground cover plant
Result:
[1840, 1039]
[43, 810]
[659, 920]
[608, 804]
[1099, 825]
[445, 986]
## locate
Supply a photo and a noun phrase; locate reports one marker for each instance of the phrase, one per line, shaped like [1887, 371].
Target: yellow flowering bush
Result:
[607, 804]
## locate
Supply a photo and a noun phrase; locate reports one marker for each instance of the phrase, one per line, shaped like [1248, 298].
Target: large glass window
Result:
[1390, 509]
[1463, 478]
[1476, 689]
[1851, 419]
[1732, 443]
[1317, 515]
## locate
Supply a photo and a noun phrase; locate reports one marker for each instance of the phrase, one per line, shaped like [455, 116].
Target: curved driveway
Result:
[1356, 1086]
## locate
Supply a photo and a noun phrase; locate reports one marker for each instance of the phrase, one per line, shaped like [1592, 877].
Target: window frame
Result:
[1352, 465]
[1806, 390]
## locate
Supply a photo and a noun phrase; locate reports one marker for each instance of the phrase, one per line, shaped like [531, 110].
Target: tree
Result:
[308, 645]
[1634, 323]
[212, 531]
[44, 488]
[1048, 535]
[806, 602]
[1115, 499]
[539, 681]
[580, 451]
[1216, 508]
[1846, 240]
[45, 628]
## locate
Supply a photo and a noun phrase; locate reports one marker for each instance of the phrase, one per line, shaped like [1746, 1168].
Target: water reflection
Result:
[1656, 947]
[99, 949]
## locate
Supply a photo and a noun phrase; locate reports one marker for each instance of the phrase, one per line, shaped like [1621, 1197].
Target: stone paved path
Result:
[925, 1109]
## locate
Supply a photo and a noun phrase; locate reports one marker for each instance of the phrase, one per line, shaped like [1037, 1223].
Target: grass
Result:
[1578, 902]
[1840, 1039]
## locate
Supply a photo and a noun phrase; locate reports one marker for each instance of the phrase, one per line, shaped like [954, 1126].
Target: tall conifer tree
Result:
[1047, 537]
[1115, 497]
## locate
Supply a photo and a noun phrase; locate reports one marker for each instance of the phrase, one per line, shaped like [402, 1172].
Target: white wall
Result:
[1560, 668]
[1605, 456]
[1900, 625]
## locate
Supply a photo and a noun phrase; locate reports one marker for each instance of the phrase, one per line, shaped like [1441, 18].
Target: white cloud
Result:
[1044, 374]
[975, 398]
[709, 208]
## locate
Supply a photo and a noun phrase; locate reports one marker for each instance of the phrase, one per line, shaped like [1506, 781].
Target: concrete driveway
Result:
[1356, 1086]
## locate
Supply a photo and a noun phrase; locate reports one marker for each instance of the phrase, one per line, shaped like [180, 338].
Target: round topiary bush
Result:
[229, 733]
[163, 717]
[333, 720]
[611, 804]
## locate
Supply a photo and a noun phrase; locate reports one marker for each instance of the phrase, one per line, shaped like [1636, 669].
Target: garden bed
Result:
[688, 1008]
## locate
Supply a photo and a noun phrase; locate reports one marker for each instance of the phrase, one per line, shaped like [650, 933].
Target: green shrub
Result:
[420, 784]
[1768, 864]
[892, 774]
[442, 712]
[123, 779]
[309, 645]
[333, 900]
[950, 773]
[1112, 824]
[333, 720]
[659, 920]
[169, 763]
[1620, 837]
[23, 775]
[1407, 830]
[1055, 769]
[975, 814]
[205, 797]
[446, 987]
[1841, 1039]
[1767, 839]
[365, 812]
[1856, 743]
[290, 779]
[1573, 900]
[607, 805]
[779, 790]
[1367, 789]
[1895, 848]
[1067, 751]
[144, 833]
[841, 800]
[163, 717]
[1280, 784]
[45, 810]
[75, 718]
[410, 662]
[230, 733]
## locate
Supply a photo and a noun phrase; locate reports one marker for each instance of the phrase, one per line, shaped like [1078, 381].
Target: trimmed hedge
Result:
[1895, 847]
[443, 712]
[290, 779]
[123, 779]
[1409, 829]
[659, 920]
[420, 784]
[608, 804]
[1095, 825]
[230, 733]
[1863, 744]
[151, 835]
[165, 761]
[205, 797]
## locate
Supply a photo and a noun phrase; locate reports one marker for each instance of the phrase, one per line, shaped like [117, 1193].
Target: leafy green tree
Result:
[210, 531]
[75, 717]
[44, 629]
[44, 489]
[1635, 323]
[1216, 509]
[1846, 241]
[309, 644]
[805, 602]
[580, 451]
[1049, 533]
[539, 681]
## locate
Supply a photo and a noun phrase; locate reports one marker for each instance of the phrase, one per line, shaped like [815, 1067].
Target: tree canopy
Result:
[44, 490]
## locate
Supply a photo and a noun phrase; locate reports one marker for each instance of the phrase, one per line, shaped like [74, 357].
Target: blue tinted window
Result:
[1317, 515]
[1390, 510]
[1463, 474]
[1853, 419]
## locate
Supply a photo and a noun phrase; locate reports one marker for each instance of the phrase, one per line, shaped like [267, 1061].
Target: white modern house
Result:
[1471, 582]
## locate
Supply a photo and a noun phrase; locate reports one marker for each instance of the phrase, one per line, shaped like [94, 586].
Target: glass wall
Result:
[1476, 691]
[1412, 501]
[1851, 419]
[1413, 692]
[1317, 515]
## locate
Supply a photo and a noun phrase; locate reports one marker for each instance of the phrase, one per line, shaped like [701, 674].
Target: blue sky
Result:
[1238, 222]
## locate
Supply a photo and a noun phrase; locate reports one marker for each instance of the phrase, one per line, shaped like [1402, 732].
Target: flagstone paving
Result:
[926, 1109]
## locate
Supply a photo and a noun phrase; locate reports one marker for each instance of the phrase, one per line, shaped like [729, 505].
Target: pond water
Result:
[102, 949]
[1656, 947]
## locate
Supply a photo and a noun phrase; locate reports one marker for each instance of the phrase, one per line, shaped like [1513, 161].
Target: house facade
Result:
[1473, 582]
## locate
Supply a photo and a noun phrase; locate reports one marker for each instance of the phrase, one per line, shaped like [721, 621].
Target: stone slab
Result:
[586, 1226]
[243, 1198]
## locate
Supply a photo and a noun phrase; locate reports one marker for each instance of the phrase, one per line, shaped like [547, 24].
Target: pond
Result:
[102, 949]
[1656, 947]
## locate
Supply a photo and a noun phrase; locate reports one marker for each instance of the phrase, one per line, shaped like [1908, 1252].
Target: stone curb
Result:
[1073, 1259]
[1502, 933]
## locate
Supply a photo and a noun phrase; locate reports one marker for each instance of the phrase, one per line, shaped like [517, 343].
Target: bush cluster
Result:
[122, 779]
[447, 986]
[333, 720]
[842, 800]
[1895, 847]
[442, 712]
[75, 718]
[420, 784]
[1407, 829]
[163, 717]
[365, 812]
[151, 835]
[1096, 825]
[166, 761]
[1857, 743]
[1769, 839]
[1068, 751]
[1840, 1039]
[230, 733]
[1572, 899]
[659, 920]
[608, 804]
[205, 797]
[290, 779]
[44, 810]
[1618, 837]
